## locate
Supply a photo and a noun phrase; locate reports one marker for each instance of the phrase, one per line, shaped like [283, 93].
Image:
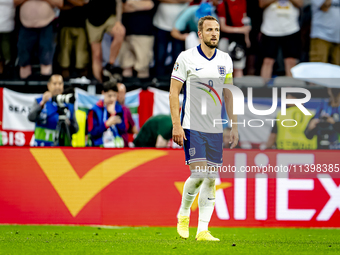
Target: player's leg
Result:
[194, 155]
[206, 200]
[191, 188]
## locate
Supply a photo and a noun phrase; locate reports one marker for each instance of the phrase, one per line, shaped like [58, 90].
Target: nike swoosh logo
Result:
[197, 69]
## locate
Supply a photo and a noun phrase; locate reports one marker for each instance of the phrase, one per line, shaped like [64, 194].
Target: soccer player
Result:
[201, 67]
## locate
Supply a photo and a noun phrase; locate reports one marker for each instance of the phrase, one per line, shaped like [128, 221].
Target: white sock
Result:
[191, 188]
[206, 203]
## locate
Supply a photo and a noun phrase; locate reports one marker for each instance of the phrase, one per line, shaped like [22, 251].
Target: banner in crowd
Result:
[15, 129]
[143, 187]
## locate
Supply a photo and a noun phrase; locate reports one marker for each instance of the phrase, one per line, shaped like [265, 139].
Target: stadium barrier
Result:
[139, 187]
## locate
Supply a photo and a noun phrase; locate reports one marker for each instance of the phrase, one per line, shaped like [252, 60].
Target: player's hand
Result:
[233, 138]
[46, 96]
[178, 135]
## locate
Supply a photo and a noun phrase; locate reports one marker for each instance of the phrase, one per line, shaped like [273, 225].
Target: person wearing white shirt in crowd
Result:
[280, 28]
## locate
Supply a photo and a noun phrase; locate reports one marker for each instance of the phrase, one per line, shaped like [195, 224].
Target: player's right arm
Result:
[177, 130]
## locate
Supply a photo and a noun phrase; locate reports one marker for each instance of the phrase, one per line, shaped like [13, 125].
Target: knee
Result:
[290, 61]
[96, 55]
[210, 181]
[119, 34]
[268, 62]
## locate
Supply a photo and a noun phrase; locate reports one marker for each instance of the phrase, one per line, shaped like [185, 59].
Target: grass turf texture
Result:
[18, 239]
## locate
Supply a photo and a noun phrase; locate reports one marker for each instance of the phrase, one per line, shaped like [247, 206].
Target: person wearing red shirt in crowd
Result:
[235, 25]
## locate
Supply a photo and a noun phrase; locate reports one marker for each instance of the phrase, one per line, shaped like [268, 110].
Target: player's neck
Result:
[208, 52]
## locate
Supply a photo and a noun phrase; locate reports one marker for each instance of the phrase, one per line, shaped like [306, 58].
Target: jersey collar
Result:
[203, 55]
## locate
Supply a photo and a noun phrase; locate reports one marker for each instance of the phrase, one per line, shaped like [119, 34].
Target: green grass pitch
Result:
[18, 239]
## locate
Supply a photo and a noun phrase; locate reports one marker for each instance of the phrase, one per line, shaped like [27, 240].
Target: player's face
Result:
[210, 33]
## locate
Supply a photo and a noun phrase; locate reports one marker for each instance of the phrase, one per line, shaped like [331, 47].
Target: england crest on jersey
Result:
[222, 70]
[192, 151]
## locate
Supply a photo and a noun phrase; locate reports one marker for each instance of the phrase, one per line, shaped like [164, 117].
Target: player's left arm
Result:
[228, 99]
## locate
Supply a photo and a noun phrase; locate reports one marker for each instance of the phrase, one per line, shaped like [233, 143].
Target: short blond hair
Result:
[201, 21]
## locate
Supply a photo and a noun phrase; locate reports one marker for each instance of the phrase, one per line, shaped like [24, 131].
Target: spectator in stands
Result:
[291, 138]
[187, 23]
[156, 132]
[73, 37]
[326, 122]
[254, 12]
[164, 20]
[45, 113]
[104, 16]
[325, 32]
[105, 123]
[137, 49]
[36, 18]
[130, 126]
[7, 13]
[280, 28]
[235, 25]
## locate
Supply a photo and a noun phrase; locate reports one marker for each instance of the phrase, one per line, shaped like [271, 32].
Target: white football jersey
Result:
[202, 103]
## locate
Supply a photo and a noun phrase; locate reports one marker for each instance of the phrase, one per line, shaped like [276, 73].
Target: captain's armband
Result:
[228, 79]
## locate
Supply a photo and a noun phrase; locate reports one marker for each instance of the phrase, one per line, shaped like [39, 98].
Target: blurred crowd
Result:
[142, 38]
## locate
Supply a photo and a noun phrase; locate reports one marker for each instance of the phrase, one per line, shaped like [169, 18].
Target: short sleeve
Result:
[179, 72]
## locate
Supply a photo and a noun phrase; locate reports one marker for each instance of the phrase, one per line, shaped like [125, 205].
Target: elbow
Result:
[261, 4]
[173, 33]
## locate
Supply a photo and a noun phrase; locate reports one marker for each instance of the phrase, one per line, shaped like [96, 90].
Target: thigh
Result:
[6, 46]
[291, 46]
[46, 45]
[66, 44]
[94, 33]
[161, 43]
[319, 50]
[214, 149]
[142, 47]
[109, 24]
[27, 39]
[335, 54]
[81, 48]
[194, 147]
[270, 46]
[126, 57]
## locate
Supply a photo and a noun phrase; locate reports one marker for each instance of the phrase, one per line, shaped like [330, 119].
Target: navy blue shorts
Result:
[30, 38]
[201, 146]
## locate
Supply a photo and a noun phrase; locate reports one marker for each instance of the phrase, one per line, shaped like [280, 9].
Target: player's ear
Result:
[199, 33]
